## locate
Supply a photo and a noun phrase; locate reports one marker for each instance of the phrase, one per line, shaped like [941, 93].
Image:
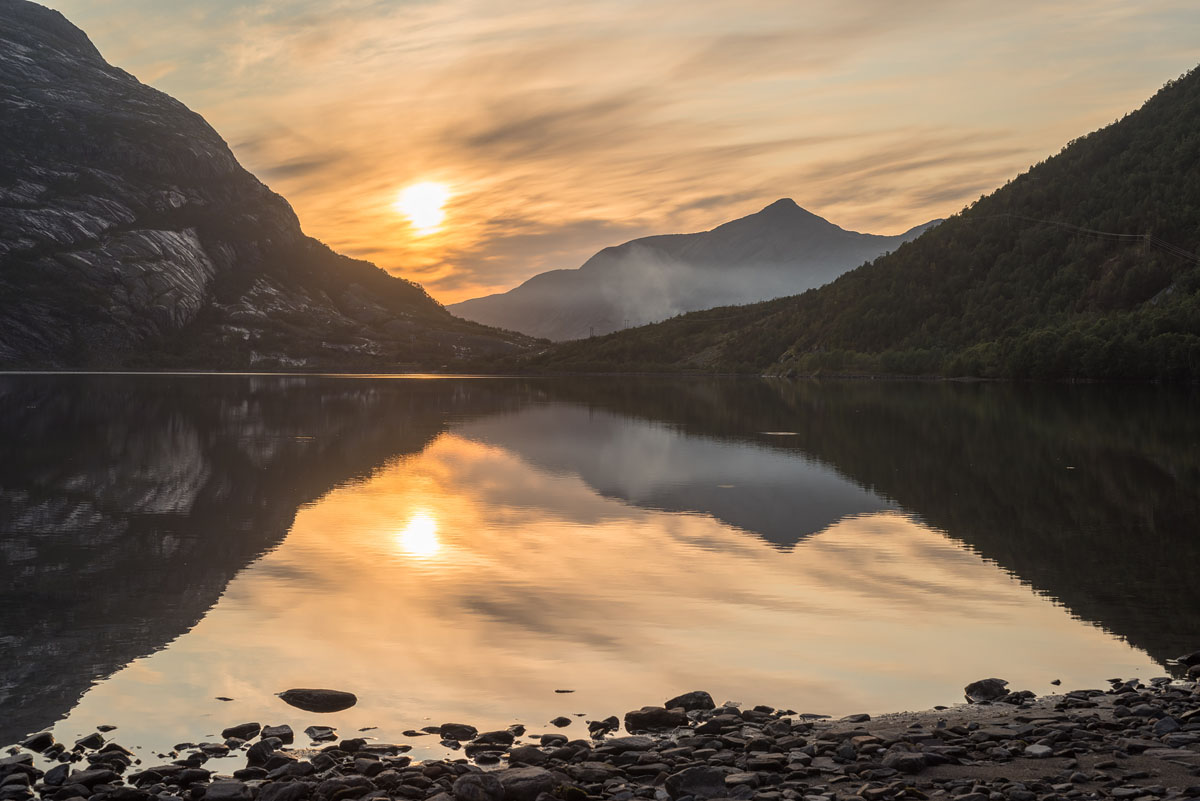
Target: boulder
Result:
[904, 761]
[458, 731]
[283, 732]
[525, 784]
[654, 718]
[285, 791]
[319, 700]
[320, 734]
[228, 790]
[478, 787]
[699, 782]
[242, 731]
[985, 690]
[697, 699]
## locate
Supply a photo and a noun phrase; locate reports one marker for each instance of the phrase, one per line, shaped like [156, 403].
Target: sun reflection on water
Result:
[419, 537]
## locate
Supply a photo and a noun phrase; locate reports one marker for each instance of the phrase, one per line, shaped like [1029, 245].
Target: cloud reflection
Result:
[506, 581]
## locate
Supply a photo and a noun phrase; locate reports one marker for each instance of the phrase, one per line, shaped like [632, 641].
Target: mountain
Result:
[131, 236]
[1086, 266]
[781, 250]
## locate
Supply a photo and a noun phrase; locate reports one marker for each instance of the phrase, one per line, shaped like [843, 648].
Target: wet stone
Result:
[317, 700]
[320, 734]
[284, 733]
[478, 787]
[457, 731]
[242, 731]
[228, 790]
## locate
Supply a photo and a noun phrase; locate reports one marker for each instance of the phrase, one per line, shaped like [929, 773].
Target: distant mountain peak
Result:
[782, 249]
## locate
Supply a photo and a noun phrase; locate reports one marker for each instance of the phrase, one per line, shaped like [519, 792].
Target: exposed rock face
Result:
[781, 250]
[130, 235]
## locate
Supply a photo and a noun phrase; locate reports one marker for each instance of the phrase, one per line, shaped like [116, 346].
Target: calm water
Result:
[458, 549]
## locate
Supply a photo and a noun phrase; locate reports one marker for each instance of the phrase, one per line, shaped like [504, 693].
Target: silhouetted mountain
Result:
[129, 235]
[127, 504]
[1086, 266]
[781, 250]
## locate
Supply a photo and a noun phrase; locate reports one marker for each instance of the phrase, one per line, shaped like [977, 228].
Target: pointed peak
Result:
[787, 207]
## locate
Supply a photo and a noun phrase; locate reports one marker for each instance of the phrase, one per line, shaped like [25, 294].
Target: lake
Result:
[466, 549]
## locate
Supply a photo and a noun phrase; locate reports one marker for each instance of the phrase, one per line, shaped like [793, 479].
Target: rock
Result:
[91, 742]
[458, 731]
[695, 700]
[635, 743]
[319, 700]
[525, 784]
[38, 742]
[528, 755]
[242, 731]
[699, 782]
[597, 728]
[1166, 725]
[283, 732]
[861, 717]
[321, 734]
[561, 721]
[261, 752]
[56, 775]
[985, 690]
[1190, 659]
[90, 778]
[904, 761]
[653, 718]
[478, 787]
[1036, 751]
[285, 791]
[500, 737]
[227, 790]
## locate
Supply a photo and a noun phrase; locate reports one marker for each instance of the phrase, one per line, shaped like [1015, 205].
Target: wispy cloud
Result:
[563, 126]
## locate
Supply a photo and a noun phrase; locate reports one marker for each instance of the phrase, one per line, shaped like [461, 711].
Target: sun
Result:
[422, 204]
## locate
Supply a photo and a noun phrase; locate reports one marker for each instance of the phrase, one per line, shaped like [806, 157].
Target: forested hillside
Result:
[1085, 266]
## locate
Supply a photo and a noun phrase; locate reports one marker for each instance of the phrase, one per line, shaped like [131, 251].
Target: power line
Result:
[1115, 236]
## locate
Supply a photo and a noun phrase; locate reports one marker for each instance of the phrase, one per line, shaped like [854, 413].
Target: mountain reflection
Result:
[128, 503]
[1089, 493]
[490, 540]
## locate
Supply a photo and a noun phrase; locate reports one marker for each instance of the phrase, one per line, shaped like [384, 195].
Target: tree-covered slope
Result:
[1085, 266]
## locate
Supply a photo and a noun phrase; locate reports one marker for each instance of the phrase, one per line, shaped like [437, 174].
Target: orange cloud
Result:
[568, 126]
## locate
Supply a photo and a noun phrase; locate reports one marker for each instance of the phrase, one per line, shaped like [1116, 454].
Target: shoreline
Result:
[1132, 741]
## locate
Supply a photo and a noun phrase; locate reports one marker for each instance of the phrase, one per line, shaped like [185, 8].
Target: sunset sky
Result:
[558, 128]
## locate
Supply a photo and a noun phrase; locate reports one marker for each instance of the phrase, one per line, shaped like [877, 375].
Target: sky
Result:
[559, 127]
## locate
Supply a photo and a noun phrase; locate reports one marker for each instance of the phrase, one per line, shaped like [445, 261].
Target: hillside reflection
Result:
[538, 583]
[463, 547]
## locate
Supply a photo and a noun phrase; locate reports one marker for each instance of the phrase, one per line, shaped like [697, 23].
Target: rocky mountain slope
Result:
[781, 250]
[131, 236]
[1086, 266]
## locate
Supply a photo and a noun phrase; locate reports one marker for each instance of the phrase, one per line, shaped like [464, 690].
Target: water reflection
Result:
[419, 537]
[460, 549]
[579, 591]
